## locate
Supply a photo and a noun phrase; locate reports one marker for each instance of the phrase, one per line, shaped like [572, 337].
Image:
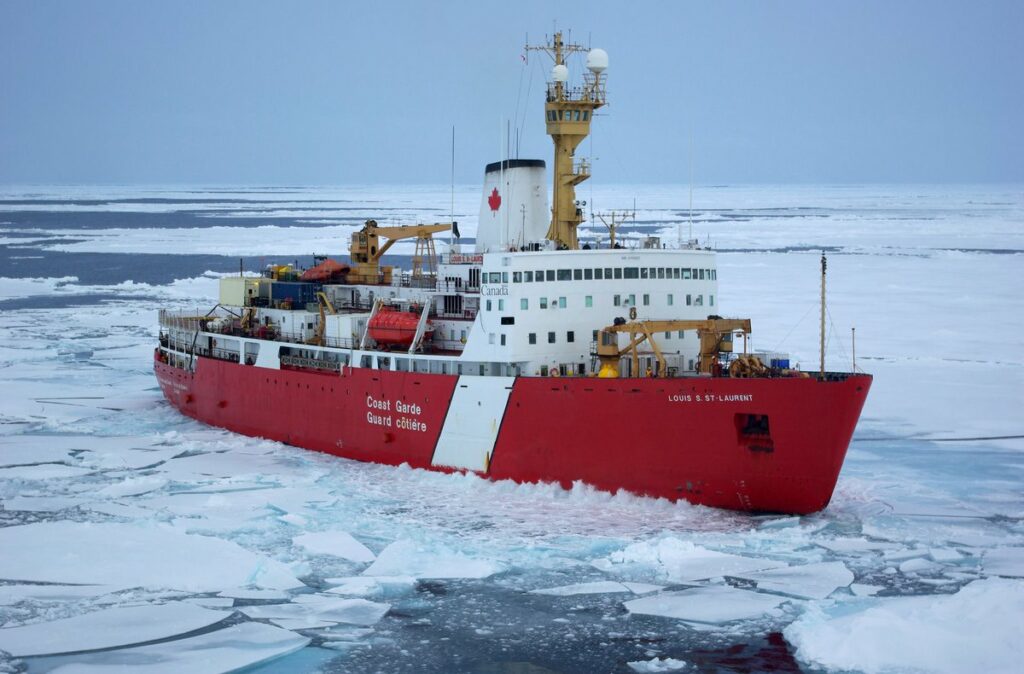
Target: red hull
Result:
[687, 438]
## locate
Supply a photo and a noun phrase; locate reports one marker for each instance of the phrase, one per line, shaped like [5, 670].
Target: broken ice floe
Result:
[655, 665]
[682, 561]
[1007, 562]
[598, 587]
[308, 611]
[371, 586]
[336, 544]
[808, 581]
[225, 650]
[153, 556]
[711, 604]
[407, 558]
[43, 471]
[974, 630]
[109, 628]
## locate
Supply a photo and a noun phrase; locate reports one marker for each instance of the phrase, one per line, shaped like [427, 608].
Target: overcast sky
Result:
[319, 93]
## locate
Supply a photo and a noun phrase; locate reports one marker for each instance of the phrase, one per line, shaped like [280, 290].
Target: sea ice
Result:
[12, 594]
[682, 561]
[809, 581]
[133, 486]
[712, 604]
[108, 628]
[41, 504]
[407, 558]
[596, 587]
[655, 665]
[225, 650]
[371, 586]
[1007, 562]
[977, 629]
[320, 609]
[335, 543]
[43, 471]
[146, 556]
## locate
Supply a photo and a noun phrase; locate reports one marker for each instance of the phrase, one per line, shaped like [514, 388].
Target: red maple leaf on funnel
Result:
[494, 201]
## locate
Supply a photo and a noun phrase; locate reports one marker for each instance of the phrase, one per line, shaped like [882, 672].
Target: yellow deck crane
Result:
[321, 327]
[715, 337]
[366, 251]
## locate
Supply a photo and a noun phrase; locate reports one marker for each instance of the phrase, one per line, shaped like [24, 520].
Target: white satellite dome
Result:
[597, 61]
[560, 73]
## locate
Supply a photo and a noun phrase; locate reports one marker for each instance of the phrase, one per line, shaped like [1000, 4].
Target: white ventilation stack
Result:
[514, 209]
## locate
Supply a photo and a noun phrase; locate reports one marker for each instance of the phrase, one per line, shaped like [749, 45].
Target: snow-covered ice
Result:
[108, 628]
[655, 665]
[711, 604]
[335, 543]
[155, 557]
[109, 500]
[978, 629]
[227, 650]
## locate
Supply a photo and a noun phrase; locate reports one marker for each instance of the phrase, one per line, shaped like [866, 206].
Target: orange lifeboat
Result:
[389, 327]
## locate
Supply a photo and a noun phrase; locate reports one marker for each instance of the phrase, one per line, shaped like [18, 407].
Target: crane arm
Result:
[711, 332]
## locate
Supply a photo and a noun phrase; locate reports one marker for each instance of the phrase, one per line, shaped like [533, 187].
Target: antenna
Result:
[691, 185]
[822, 332]
[451, 232]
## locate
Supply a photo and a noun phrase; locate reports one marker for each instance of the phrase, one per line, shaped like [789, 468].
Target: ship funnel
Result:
[514, 209]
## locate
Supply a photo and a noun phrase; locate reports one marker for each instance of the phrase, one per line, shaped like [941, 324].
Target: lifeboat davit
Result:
[390, 327]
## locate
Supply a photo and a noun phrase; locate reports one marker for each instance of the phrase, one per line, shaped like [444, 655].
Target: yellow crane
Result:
[366, 251]
[321, 327]
[715, 337]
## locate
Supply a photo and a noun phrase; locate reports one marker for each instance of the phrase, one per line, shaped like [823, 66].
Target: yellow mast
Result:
[568, 112]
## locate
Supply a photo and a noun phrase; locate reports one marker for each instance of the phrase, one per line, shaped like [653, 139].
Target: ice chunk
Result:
[319, 609]
[853, 545]
[682, 561]
[41, 504]
[44, 471]
[643, 588]
[372, 586]
[245, 593]
[810, 581]
[1007, 562]
[919, 565]
[406, 558]
[597, 587]
[335, 543]
[863, 590]
[153, 556]
[24, 451]
[12, 594]
[655, 665]
[712, 604]
[133, 486]
[975, 630]
[109, 628]
[225, 650]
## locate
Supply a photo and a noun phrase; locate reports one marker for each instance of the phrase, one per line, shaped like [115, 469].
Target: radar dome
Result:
[597, 60]
[560, 73]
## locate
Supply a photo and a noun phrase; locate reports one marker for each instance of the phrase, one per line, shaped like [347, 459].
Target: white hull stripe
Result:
[472, 423]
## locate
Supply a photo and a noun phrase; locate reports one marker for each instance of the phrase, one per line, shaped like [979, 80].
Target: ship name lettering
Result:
[406, 408]
[373, 403]
[378, 419]
[499, 290]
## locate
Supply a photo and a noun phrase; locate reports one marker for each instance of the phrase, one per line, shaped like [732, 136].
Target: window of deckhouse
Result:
[551, 338]
[543, 303]
[588, 274]
[527, 277]
[643, 272]
[599, 274]
[524, 303]
[517, 277]
[577, 274]
[565, 274]
[647, 300]
[532, 337]
[549, 274]
[561, 302]
[588, 301]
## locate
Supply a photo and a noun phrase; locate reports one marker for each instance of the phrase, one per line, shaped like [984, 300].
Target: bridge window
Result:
[675, 272]
[631, 272]
[661, 272]
[549, 274]
[527, 277]
[686, 274]
[714, 274]
[701, 271]
[643, 273]
[577, 274]
[588, 274]
[699, 301]
[618, 273]
[504, 277]
[517, 277]
[680, 334]
[564, 274]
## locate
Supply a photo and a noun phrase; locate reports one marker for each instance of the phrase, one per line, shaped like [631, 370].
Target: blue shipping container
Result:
[299, 293]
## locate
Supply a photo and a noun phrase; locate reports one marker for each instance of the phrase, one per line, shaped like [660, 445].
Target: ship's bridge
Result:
[545, 307]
